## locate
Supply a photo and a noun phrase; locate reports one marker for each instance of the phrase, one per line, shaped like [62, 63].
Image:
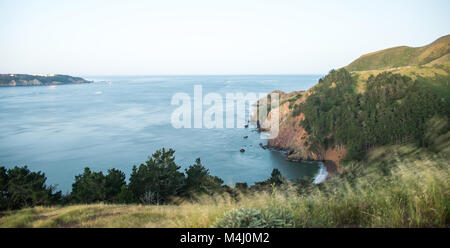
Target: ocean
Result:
[117, 122]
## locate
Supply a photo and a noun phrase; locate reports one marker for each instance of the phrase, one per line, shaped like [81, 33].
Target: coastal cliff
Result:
[355, 109]
[294, 139]
[11, 80]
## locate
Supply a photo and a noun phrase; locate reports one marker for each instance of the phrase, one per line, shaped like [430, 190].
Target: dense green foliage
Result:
[440, 85]
[198, 180]
[19, 187]
[92, 187]
[393, 110]
[276, 179]
[157, 179]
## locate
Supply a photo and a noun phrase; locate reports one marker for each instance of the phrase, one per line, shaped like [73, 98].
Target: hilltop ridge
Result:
[436, 52]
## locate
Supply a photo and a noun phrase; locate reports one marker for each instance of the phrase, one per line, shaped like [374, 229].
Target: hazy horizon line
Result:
[166, 75]
[178, 75]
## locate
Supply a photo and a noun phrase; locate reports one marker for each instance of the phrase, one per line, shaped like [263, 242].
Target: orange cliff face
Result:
[294, 139]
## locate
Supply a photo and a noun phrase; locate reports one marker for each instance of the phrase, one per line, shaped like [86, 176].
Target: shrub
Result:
[199, 180]
[256, 218]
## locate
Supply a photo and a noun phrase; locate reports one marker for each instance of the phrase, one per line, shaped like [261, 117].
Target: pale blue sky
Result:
[87, 37]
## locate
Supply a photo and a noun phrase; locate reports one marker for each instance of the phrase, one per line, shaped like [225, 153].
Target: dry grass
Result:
[434, 76]
[411, 71]
[200, 214]
[403, 56]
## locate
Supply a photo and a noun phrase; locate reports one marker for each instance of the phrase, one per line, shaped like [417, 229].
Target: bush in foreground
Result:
[255, 218]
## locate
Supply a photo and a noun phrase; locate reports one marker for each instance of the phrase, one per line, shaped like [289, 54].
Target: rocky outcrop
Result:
[293, 139]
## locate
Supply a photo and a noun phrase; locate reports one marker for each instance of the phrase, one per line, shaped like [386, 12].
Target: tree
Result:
[19, 187]
[199, 180]
[158, 177]
[3, 188]
[89, 187]
[125, 195]
[393, 109]
[276, 178]
[114, 181]
[241, 186]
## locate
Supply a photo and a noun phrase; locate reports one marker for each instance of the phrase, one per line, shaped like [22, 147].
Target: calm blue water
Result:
[117, 122]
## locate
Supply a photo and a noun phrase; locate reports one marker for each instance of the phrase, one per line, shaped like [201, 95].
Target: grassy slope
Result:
[434, 76]
[200, 214]
[402, 56]
[429, 64]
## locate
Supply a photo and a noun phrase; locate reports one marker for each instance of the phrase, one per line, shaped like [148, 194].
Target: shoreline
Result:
[327, 167]
[322, 175]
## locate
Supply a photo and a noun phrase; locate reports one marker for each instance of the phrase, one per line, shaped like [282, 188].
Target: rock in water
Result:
[242, 150]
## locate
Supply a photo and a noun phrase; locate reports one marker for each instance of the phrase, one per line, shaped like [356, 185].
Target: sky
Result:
[179, 37]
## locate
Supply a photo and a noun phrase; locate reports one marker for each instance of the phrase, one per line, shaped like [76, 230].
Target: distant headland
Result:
[11, 80]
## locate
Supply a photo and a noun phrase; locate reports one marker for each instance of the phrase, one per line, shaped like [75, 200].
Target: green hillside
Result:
[403, 56]
[429, 65]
